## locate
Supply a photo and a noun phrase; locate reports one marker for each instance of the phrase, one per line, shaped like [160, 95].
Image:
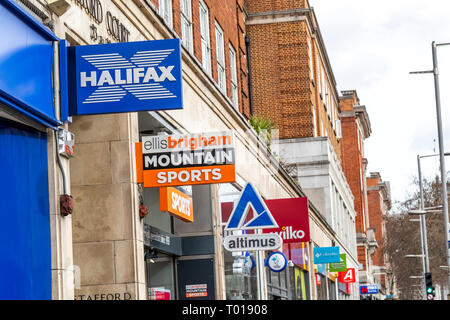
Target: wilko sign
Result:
[290, 214]
[188, 159]
[125, 77]
[348, 276]
[176, 203]
[292, 217]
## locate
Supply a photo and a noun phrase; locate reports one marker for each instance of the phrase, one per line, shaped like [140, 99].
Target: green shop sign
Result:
[339, 266]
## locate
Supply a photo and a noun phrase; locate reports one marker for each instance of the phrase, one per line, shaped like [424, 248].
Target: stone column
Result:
[108, 243]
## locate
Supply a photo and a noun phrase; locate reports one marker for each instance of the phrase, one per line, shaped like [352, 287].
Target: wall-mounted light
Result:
[151, 255]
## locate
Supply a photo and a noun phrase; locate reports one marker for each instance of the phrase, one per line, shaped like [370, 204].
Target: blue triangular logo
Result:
[250, 198]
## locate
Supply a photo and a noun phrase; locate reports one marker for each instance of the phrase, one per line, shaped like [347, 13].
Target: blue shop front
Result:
[27, 112]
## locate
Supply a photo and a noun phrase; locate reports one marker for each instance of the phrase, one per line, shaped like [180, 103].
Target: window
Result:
[220, 55]
[233, 71]
[311, 71]
[322, 82]
[320, 76]
[165, 10]
[186, 24]
[314, 121]
[331, 111]
[204, 35]
[338, 129]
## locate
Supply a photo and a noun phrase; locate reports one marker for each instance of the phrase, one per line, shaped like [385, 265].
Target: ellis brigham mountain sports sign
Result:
[125, 77]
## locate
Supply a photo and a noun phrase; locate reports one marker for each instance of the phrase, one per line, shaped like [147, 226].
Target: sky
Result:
[372, 47]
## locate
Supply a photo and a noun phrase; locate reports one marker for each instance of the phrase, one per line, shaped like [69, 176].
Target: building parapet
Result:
[363, 117]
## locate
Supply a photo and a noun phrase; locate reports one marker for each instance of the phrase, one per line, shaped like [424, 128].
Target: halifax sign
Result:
[125, 77]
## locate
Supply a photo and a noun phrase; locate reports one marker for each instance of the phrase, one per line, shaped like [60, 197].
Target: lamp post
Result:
[421, 213]
[435, 72]
[423, 223]
[423, 235]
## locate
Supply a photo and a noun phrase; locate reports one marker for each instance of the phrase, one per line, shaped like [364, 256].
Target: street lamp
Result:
[423, 233]
[423, 211]
[435, 72]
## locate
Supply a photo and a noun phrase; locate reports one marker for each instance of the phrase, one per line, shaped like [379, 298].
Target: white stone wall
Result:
[320, 175]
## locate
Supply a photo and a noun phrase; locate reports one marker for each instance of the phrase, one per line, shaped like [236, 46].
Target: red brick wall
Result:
[274, 5]
[281, 79]
[376, 207]
[352, 164]
[376, 221]
[230, 16]
[362, 256]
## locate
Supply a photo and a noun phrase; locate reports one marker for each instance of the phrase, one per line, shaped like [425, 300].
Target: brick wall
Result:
[362, 256]
[376, 207]
[352, 164]
[274, 5]
[376, 221]
[230, 16]
[283, 89]
[352, 159]
[280, 81]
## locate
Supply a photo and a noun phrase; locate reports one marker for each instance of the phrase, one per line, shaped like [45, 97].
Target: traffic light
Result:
[429, 286]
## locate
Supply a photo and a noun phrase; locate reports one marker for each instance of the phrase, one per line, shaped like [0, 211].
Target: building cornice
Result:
[363, 117]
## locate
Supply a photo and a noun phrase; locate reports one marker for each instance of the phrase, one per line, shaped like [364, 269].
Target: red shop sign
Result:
[348, 276]
[290, 214]
[292, 217]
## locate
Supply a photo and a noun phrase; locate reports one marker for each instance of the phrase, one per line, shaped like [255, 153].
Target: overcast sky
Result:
[372, 46]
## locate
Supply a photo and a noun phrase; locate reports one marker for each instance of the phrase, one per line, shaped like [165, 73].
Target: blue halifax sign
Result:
[125, 77]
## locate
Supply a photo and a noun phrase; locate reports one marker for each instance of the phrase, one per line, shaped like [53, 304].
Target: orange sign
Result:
[189, 176]
[196, 290]
[176, 203]
[176, 160]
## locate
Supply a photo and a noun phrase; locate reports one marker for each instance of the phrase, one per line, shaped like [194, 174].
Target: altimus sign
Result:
[125, 77]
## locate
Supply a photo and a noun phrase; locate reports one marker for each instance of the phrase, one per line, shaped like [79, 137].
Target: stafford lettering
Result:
[127, 76]
[104, 296]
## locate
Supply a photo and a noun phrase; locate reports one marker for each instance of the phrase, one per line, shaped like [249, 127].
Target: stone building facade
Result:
[105, 249]
[294, 86]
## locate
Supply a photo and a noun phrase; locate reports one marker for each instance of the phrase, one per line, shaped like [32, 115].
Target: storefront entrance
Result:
[160, 276]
